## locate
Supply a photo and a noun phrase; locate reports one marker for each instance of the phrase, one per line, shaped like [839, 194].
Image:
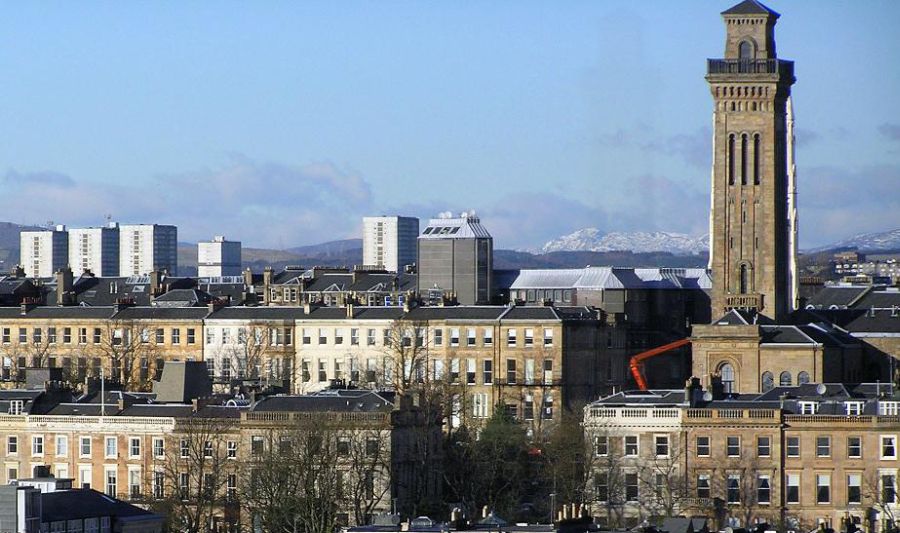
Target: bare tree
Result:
[609, 495]
[29, 351]
[879, 491]
[405, 349]
[664, 488]
[195, 468]
[428, 398]
[130, 352]
[365, 469]
[292, 481]
[568, 460]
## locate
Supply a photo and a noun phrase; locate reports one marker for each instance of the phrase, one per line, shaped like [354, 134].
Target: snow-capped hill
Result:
[594, 240]
[583, 240]
[883, 240]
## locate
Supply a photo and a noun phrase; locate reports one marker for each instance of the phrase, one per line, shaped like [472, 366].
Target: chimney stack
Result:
[64, 286]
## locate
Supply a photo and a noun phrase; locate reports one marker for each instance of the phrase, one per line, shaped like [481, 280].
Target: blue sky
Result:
[283, 123]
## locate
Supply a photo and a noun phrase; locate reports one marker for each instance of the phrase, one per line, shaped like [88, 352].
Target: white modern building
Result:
[390, 242]
[218, 258]
[144, 248]
[43, 252]
[95, 249]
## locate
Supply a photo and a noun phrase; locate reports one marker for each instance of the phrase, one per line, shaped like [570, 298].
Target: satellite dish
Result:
[821, 389]
[707, 396]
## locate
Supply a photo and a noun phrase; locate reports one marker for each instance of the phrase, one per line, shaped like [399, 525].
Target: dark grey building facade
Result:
[456, 260]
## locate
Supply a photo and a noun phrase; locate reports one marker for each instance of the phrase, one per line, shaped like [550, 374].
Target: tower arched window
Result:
[756, 159]
[745, 50]
[726, 373]
[803, 378]
[784, 379]
[743, 280]
[768, 381]
[745, 162]
[731, 159]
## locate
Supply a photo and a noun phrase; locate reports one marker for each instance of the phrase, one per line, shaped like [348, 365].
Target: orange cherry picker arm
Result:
[637, 362]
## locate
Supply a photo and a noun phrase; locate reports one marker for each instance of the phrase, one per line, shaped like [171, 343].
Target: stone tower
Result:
[753, 216]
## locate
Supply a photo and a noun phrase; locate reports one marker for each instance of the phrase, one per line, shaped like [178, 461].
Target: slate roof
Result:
[54, 312]
[784, 335]
[582, 313]
[735, 317]
[29, 399]
[357, 401]
[467, 312]
[234, 292]
[87, 503]
[183, 298]
[750, 7]
[164, 313]
[260, 313]
[831, 297]
[859, 322]
[670, 397]
[530, 313]
[886, 298]
[832, 401]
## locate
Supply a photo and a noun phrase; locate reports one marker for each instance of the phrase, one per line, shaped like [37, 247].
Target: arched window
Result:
[742, 289]
[756, 159]
[803, 378]
[784, 379]
[745, 161]
[768, 381]
[726, 371]
[731, 157]
[745, 50]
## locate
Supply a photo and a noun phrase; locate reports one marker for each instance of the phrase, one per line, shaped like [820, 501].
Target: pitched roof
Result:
[74, 504]
[750, 7]
[530, 313]
[183, 298]
[601, 278]
[462, 312]
[165, 313]
[463, 227]
[835, 297]
[354, 400]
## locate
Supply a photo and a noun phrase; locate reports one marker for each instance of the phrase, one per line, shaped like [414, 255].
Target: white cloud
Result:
[263, 203]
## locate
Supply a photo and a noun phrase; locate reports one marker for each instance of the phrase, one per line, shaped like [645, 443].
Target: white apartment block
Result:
[44, 252]
[144, 248]
[218, 258]
[95, 249]
[390, 242]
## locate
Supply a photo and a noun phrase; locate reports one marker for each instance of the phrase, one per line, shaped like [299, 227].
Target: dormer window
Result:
[853, 408]
[809, 408]
[888, 408]
[15, 407]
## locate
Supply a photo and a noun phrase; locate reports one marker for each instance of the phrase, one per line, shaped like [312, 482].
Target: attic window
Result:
[428, 230]
[853, 408]
[15, 407]
[888, 408]
[445, 230]
[454, 230]
[809, 408]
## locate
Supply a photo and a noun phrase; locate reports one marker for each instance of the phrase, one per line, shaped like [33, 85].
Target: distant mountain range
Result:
[866, 242]
[588, 246]
[594, 240]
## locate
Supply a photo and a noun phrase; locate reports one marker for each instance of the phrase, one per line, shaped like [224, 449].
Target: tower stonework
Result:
[752, 218]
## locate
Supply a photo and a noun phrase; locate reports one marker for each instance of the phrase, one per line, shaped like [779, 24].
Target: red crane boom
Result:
[637, 361]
